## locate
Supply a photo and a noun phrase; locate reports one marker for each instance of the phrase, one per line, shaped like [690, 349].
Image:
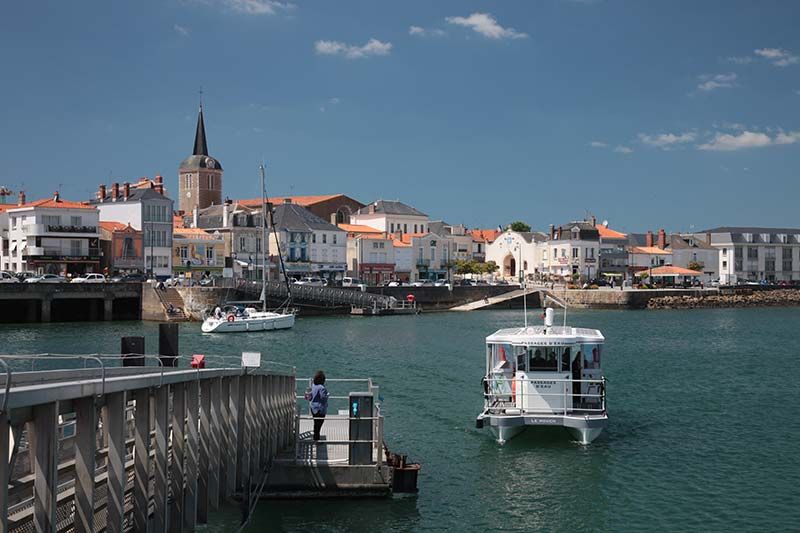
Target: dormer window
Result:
[748, 237]
[576, 234]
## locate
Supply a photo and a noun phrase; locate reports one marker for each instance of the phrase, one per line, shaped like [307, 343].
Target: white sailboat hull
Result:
[259, 321]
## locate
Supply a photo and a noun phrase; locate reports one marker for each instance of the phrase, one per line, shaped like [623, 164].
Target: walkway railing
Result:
[322, 296]
[101, 447]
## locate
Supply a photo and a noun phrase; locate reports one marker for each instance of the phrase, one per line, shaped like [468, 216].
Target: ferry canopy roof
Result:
[668, 272]
[541, 336]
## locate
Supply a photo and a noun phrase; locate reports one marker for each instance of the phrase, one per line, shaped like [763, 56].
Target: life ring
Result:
[231, 318]
[410, 298]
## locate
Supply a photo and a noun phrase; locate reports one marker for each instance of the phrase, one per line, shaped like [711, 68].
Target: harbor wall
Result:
[772, 298]
[621, 299]
[442, 298]
[69, 302]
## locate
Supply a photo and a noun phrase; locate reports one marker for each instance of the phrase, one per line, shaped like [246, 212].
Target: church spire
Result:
[200, 146]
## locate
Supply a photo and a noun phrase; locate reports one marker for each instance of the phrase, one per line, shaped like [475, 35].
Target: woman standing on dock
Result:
[318, 402]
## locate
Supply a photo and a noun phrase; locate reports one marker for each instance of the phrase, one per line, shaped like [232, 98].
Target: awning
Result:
[668, 272]
[613, 274]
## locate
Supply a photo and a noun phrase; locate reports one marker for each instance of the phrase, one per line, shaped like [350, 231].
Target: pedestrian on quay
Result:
[318, 402]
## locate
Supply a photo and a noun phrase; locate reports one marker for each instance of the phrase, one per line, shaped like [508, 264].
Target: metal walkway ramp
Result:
[494, 300]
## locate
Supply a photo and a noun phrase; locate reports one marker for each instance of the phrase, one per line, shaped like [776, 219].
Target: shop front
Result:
[376, 273]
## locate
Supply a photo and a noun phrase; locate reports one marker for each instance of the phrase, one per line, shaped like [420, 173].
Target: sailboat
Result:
[235, 319]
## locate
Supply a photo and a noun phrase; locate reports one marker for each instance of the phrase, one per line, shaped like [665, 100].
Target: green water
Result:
[703, 431]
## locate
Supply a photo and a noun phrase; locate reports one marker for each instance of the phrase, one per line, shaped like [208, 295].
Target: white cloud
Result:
[257, 7]
[778, 56]
[598, 144]
[373, 47]
[717, 81]
[725, 142]
[665, 141]
[334, 101]
[419, 31]
[183, 31]
[486, 25]
[623, 150]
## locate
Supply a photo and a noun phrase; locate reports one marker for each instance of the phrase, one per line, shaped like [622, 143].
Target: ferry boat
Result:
[544, 376]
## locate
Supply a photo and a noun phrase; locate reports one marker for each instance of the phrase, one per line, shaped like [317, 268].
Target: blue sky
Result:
[677, 114]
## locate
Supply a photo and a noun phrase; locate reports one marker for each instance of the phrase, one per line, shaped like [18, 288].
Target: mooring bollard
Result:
[168, 344]
[132, 351]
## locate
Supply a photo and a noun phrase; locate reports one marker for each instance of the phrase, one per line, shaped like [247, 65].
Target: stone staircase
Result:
[171, 296]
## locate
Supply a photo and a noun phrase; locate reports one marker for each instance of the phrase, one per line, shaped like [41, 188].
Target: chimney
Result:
[333, 219]
[225, 213]
[649, 239]
[662, 239]
[114, 191]
[21, 199]
[159, 180]
[287, 200]
[708, 238]
[194, 217]
[126, 190]
[371, 209]
[56, 197]
[159, 188]
[594, 221]
[398, 235]
[101, 192]
[552, 232]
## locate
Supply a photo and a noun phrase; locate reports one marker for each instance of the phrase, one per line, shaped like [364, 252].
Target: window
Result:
[324, 238]
[75, 247]
[210, 252]
[374, 244]
[47, 220]
[242, 244]
[724, 264]
[405, 228]
[563, 252]
[313, 238]
[724, 252]
[392, 227]
[183, 252]
[752, 252]
[258, 244]
[415, 228]
[334, 238]
[433, 254]
[75, 221]
[575, 253]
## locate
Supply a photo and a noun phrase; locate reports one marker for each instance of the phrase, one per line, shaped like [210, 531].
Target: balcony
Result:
[425, 263]
[128, 262]
[46, 229]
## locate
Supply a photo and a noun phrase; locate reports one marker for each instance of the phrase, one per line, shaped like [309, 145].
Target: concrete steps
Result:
[172, 297]
[494, 300]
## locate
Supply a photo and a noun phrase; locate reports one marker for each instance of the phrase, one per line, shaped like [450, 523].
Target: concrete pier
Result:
[55, 302]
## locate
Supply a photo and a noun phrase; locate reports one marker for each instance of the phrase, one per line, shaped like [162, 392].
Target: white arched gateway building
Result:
[513, 250]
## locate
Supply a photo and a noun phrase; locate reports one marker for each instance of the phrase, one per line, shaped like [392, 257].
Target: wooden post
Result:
[114, 425]
[43, 440]
[190, 457]
[242, 435]
[204, 457]
[5, 468]
[141, 468]
[178, 448]
[214, 450]
[85, 449]
[160, 487]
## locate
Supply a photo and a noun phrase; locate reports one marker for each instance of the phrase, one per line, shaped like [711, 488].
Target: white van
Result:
[354, 283]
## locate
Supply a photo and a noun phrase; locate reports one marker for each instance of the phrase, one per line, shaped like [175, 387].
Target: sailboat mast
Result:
[264, 244]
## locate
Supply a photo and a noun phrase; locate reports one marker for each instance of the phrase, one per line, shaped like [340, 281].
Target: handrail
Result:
[7, 387]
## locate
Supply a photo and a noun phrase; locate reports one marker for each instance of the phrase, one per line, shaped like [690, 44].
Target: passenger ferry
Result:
[544, 376]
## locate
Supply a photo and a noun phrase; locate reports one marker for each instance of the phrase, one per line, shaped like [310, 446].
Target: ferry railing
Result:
[377, 420]
[508, 400]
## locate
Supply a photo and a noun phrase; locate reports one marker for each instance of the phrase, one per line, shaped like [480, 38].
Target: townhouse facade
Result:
[145, 207]
[392, 216]
[240, 228]
[517, 254]
[197, 252]
[333, 208]
[756, 253]
[573, 251]
[50, 236]
[370, 254]
[121, 248]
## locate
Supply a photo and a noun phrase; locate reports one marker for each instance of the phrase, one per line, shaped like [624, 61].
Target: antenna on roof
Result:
[200, 92]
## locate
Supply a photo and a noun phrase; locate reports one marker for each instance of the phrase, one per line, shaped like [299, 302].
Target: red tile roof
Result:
[609, 233]
[669, 271]
[486, 235]
[406, 237]
[54, 203]
[651, 250]
[358, 228]
[401, 244]
[193, 233]
[304, 201]
[111, 225]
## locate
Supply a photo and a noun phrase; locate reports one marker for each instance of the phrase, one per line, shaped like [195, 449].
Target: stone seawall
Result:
[620, 299]
[776, 298]
[442, 298]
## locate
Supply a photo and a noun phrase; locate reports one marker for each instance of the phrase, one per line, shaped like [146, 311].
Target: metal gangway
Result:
[93, 445]
[317, 296]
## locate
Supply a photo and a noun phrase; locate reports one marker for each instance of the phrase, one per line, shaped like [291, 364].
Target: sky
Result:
[680, 114]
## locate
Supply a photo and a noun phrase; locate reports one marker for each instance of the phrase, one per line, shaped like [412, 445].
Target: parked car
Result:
[8, 277]
[440, 283]
[210, 281]
[130, 278]
[311, 281]
[600, 282]
[89, 278]
[22, 276]
[466, 283]
[396, 283]
[353, 283]
[46, 278]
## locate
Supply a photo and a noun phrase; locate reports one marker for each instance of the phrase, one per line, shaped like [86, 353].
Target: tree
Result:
[696, 266]
[519, 226]
[490, 267]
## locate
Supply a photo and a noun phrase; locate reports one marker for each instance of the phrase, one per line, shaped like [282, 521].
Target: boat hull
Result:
[241, 325]
[584, 428]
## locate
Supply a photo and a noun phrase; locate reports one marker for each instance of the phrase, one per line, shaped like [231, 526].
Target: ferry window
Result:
[543, 358]
[591, 355]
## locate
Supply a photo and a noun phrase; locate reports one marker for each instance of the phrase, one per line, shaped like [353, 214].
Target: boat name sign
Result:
[251, 359]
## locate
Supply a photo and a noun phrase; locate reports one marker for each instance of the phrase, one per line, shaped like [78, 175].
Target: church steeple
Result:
[200, 146]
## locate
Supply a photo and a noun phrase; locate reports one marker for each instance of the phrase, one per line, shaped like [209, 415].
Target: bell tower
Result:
[200, 175]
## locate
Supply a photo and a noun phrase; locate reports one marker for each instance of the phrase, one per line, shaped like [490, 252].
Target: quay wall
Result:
[69, 302]
[772, 298]
[621, 299]
[442, 298]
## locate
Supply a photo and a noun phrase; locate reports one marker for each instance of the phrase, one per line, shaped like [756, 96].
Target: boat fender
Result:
[231, 318]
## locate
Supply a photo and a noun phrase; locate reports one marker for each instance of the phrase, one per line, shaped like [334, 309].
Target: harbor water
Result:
[703, 431]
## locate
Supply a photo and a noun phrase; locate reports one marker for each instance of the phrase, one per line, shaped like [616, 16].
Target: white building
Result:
[370, 254]
[460, 239]
[146, 208]
[50, 236]
[513, 251]
[573, 249]
[753, 253]
[391, 216]
[693, 251]
[431, 255]
[309, 244]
